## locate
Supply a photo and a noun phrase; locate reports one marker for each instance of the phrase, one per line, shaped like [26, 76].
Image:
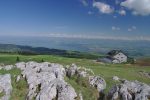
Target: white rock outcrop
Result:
[7, 67]
[130, 91]
[5, 86]
[46, 81]
[78, 71]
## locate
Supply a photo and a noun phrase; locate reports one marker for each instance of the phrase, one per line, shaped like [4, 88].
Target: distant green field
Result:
[107, 71]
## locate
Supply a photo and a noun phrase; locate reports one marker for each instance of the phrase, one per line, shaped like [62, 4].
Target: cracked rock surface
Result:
[98, 82]
[128, 90]
[5, 86]
[46, 81]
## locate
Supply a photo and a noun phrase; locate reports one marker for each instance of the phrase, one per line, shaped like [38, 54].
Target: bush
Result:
[18, 59]
[131, 60]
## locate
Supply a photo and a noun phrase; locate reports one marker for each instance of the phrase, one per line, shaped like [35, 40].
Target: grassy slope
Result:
[129, 72]
[20, 88]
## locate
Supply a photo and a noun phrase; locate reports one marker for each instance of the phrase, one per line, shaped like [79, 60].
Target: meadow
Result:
[107, 71]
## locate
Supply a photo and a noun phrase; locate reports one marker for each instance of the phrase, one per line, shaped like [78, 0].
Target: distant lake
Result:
[133, 48]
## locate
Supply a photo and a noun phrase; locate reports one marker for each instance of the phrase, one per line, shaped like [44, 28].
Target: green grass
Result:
[2, 94]
[107, 71]
[19, 88]
[82, 86]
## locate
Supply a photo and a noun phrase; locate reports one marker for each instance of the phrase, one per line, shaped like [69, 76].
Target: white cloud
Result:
[103, 8]
[84, 2]
[117, 2]
[114, 16]
[122, 12]
[132, 28]
[129, 29]
[90, 12]
[114, 28]
[138, 7]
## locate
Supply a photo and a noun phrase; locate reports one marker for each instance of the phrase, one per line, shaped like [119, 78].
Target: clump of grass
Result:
[2, 94]
[20, 89]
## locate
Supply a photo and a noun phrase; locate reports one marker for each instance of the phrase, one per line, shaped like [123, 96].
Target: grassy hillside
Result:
[28, 50]
[107, 71]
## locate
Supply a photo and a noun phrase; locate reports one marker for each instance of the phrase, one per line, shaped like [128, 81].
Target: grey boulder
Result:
[5, 86]
[98, 82]
[128, 90]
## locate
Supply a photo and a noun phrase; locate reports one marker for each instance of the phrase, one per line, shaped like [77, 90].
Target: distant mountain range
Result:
[29, 50]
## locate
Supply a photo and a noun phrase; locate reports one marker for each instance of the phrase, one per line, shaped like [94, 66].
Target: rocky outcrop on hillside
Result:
[128, 90]
[46, 81]
[94, 81]
[5, 86]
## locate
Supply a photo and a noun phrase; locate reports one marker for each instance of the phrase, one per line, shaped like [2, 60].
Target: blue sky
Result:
[76, 18]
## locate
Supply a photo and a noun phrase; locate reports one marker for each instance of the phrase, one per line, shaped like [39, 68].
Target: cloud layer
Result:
[138, 7]
[138, 38]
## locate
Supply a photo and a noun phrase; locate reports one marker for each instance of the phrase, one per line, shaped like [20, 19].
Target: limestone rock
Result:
[46, 81]
[5, 86]
[82, 74]
[18, 78]
[65, 91]
[146, 74]
[21, 65]
[116, 78]
[81, 97]
[129, 91]
[97, 81]
[72, 70]
[8, 67]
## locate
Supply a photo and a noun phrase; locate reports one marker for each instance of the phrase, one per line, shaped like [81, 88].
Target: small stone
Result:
[81, 97]
[116, 78]
[8, 67]
[18, 78]
[72, 70]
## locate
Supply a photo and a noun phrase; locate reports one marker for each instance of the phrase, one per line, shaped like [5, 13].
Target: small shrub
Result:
[18, 59]
[42, 60]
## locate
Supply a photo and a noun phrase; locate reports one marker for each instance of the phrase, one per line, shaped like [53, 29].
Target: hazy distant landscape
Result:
[133, 48]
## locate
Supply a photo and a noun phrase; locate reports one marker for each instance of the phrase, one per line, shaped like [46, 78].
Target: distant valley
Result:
[132, 48]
